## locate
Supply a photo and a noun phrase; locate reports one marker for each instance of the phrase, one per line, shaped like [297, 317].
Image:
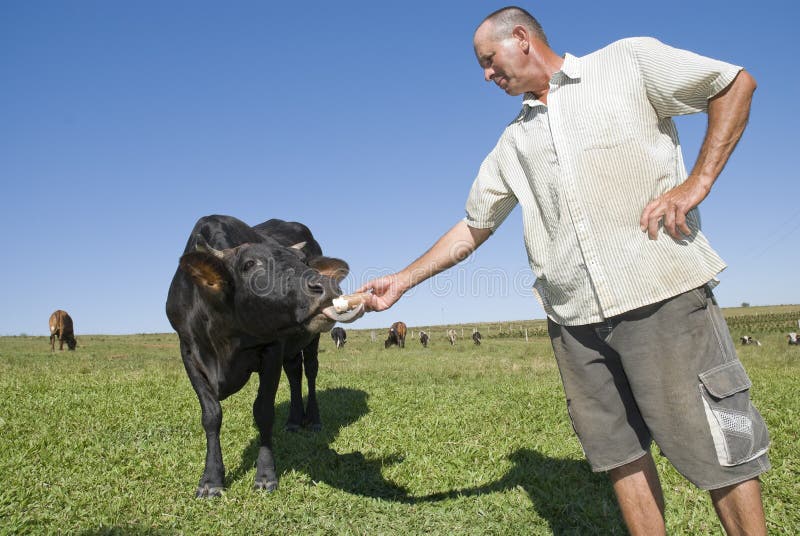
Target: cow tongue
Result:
[347, 316]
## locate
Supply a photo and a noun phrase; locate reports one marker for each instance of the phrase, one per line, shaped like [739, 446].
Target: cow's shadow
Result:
[310, 452]
[564, 492]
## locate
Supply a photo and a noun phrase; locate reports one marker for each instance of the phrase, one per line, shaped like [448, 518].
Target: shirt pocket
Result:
[737, 428]
[605, 129]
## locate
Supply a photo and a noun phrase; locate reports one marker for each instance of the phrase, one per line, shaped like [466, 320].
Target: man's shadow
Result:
[564, 492]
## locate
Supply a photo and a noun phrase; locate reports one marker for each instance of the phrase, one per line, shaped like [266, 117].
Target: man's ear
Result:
[523, 38]
[336, 269]
[208, 272]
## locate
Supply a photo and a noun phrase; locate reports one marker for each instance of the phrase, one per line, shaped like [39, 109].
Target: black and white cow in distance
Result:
[423, 339]
[747, 340]
[251, 299]
[476, 337]
[339, 336]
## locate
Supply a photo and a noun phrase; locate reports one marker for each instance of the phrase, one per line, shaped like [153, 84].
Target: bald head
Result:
[502, 22]
[513, 52]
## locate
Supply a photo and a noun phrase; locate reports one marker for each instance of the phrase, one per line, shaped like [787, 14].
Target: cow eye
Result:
[248, 265]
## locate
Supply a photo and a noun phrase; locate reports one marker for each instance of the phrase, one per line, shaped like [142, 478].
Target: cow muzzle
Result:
[347, 308]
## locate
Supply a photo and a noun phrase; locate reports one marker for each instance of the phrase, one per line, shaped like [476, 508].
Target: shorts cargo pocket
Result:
[737, 428]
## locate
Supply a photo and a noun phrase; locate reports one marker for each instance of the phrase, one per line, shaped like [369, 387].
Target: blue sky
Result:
[121, 123]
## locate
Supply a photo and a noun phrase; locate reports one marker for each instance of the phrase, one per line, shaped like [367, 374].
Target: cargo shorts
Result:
[669, 373]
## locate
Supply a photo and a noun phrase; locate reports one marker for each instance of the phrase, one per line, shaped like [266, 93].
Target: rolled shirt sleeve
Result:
[679, 82]
[490, 199]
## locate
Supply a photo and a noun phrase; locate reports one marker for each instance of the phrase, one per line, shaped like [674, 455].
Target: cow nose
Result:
[315, 287]
[322, 287]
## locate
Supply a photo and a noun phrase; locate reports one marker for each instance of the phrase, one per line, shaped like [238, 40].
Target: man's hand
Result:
[671, 208]
[385, 291]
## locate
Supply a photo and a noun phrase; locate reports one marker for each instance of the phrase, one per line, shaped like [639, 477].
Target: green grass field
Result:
[443, 440]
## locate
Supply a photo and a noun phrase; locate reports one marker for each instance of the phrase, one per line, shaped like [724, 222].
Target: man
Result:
[623, 271]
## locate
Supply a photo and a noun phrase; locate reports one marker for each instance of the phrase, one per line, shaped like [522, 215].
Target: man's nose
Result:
[488, 73]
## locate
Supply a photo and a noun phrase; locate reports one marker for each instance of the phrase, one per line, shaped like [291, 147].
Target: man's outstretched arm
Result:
[454, 246]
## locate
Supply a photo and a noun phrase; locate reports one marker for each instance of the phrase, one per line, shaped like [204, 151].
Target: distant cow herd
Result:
[397, 333]
[254, 299]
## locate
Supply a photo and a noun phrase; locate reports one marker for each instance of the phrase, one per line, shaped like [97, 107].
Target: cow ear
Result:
[208, 272]
[336, 269]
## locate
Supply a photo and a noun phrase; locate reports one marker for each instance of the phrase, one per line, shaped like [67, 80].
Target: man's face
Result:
[502, 59]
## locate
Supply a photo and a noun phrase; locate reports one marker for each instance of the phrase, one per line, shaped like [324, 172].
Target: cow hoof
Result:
[206, 492]
[291, 427]
[265, 485]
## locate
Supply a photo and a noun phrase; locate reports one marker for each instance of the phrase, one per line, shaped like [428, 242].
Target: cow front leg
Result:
[293, 367]
[212, 482]
[264, 416]
[311, 366]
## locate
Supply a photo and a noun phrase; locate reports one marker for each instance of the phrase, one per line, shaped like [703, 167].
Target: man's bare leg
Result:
[639, 496]
[740, 509]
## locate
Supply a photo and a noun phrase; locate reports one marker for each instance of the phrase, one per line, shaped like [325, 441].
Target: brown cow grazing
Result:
[61, 327]
[397, 335]
[423, 339]
[451, 336]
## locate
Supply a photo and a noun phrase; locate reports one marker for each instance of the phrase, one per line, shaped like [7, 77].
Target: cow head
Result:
[269, 290]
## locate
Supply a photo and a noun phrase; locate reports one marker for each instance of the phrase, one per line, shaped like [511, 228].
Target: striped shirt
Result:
[584, 166]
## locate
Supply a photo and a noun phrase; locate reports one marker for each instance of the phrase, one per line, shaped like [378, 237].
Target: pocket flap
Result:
[725, 380]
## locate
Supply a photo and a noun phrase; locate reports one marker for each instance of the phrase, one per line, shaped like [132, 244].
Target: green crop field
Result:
[445, 440]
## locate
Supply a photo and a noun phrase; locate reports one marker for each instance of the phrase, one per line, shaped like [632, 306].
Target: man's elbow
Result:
[739, 90]
[479, 235]
[747, 81]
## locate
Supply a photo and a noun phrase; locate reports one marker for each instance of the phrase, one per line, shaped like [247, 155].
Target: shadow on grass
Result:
[310, 452]
[564, 492]
[126, 531]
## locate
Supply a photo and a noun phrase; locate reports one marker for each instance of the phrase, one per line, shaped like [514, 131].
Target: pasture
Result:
[457, 439]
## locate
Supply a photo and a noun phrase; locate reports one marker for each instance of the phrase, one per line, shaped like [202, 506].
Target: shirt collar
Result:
[571, 68]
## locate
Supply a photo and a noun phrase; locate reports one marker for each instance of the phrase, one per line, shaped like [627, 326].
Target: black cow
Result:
[251, 299]
[476, 337]
[339, 336]
[423, 339]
